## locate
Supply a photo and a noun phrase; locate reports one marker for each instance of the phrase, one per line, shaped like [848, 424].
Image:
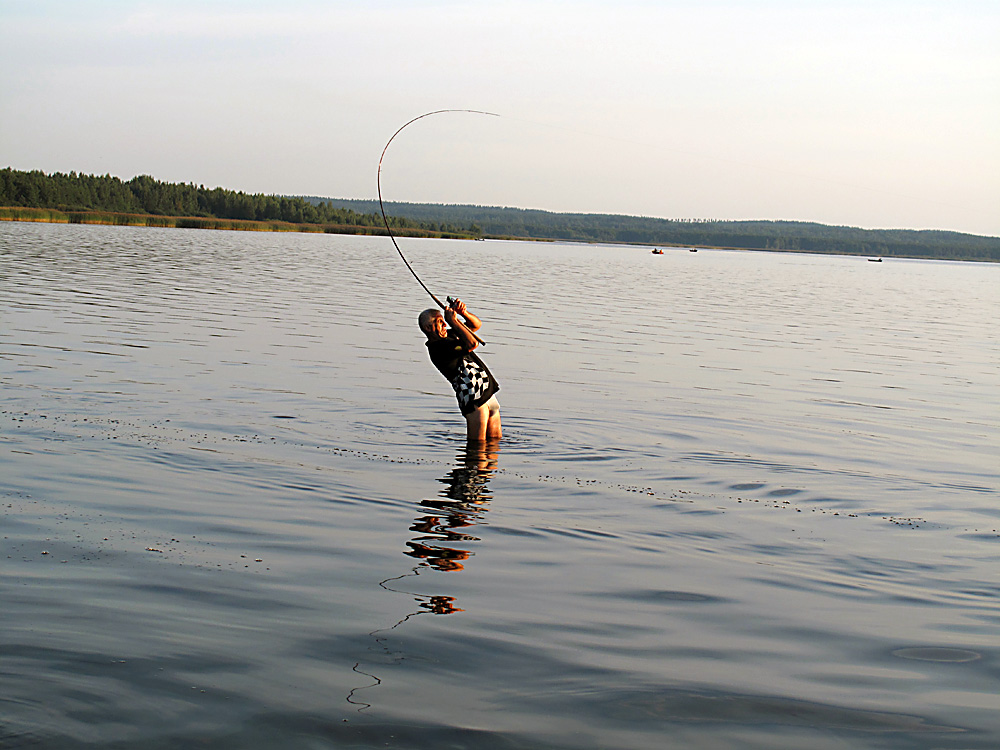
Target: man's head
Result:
[432, 323]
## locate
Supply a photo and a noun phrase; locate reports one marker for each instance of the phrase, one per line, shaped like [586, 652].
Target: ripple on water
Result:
[938, 654]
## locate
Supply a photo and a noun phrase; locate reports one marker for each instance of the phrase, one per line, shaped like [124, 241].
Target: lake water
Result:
[744, 500]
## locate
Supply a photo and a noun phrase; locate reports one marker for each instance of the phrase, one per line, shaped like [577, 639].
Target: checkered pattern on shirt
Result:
[471, 383]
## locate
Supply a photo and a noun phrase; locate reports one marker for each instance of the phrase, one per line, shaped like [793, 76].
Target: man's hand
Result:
[458, 306]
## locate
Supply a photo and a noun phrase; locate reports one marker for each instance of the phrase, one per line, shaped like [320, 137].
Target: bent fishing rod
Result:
[385, 219]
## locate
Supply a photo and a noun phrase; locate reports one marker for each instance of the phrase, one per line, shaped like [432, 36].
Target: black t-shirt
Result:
[474, 384]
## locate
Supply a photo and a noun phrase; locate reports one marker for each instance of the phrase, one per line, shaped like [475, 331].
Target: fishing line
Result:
[385, 219]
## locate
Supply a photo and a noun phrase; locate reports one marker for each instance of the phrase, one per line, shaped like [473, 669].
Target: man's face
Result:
[438, 327]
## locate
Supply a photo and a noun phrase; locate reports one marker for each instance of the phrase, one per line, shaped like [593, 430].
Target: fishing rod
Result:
[385, 219]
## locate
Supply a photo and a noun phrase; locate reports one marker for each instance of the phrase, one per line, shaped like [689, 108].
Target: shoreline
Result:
[110, 218]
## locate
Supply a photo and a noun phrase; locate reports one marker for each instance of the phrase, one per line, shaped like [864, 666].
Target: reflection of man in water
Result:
[460, 508]
[451, 349]
[459, 505]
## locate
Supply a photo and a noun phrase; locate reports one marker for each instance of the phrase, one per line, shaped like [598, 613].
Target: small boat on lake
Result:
[692, 249]
[874, 260]
[657, 251]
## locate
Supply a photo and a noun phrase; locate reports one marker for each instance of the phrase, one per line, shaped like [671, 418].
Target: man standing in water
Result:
[450, 347]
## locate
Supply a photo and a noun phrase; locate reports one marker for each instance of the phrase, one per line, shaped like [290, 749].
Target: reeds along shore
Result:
[51, 215]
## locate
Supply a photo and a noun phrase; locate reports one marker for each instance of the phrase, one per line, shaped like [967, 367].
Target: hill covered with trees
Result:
[765, 235]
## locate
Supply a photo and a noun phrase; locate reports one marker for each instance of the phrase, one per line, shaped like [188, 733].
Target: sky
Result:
[879, 114]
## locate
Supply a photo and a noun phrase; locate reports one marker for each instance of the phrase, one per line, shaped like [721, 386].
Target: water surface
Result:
[744, 500]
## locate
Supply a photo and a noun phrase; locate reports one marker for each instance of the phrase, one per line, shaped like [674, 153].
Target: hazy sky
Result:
[878, 113]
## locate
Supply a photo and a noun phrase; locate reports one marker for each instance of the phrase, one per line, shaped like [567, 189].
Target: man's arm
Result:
[463, 332]
[471, 321]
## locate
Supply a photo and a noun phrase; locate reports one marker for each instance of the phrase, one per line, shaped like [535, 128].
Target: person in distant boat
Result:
[450, 344]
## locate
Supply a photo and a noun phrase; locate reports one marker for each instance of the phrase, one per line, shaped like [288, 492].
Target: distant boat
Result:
[692, 249]
[657, 251]
[874, 260]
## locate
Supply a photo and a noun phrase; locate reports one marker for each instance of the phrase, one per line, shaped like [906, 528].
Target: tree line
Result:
[144, 194]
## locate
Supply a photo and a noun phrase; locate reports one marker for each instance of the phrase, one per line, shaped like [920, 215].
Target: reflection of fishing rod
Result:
[437, 605]
[385, 219]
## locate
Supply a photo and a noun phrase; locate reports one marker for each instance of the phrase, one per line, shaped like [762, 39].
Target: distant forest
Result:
[766, 235]
[121, 201]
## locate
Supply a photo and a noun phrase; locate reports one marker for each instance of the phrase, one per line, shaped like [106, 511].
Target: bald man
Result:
[450, 344]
